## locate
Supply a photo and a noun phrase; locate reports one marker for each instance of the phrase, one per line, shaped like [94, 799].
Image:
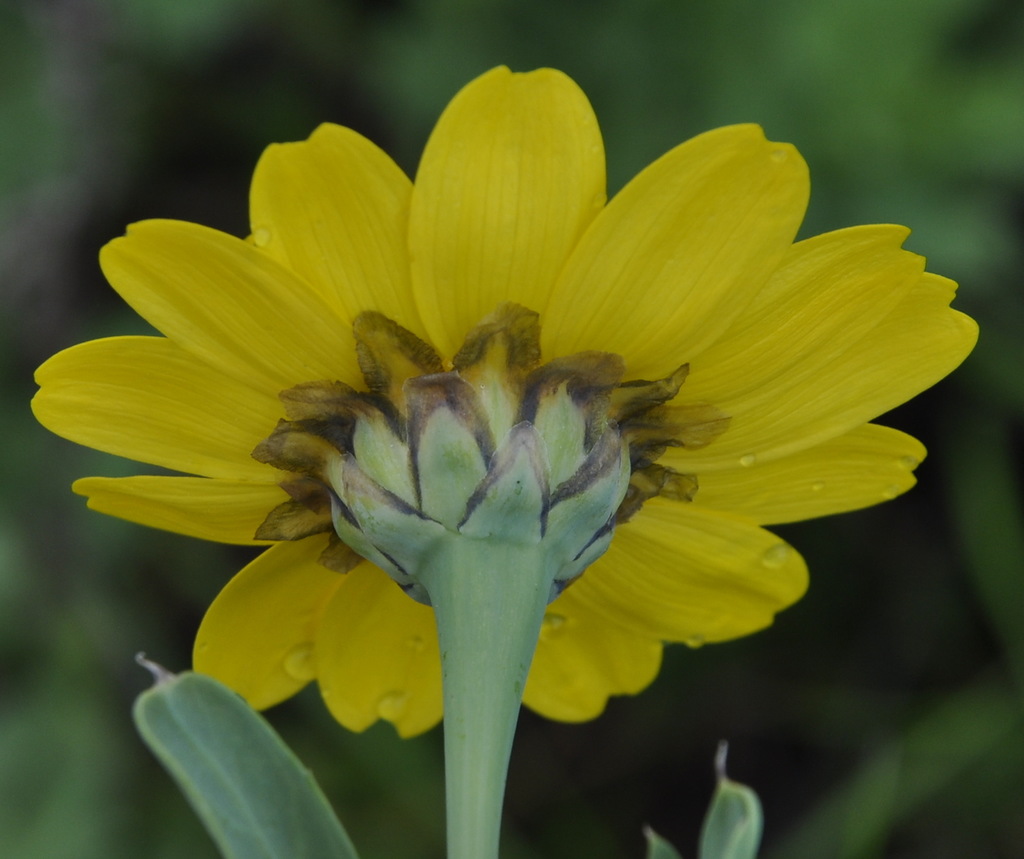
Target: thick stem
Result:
[490, 602]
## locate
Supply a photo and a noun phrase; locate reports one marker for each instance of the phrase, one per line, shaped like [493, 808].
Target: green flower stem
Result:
[490, 600]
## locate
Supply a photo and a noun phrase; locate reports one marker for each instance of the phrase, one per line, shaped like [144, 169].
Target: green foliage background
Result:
[882, 716]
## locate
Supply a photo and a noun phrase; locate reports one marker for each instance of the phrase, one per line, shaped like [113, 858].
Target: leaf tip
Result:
[721, 755]
[160, 674]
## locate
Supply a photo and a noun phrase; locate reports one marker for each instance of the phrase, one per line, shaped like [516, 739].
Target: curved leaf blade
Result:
[252, 794]
[658, 847]
[733, 824]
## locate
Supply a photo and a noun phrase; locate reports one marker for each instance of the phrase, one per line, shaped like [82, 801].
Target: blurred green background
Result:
[881, 716]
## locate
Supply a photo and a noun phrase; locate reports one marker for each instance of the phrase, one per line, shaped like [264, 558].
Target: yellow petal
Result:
[582, 659]
[512, 174]
[377, 656]
[225, 511]
[828, 293]
[677, 572]
[335, 209]
[865, 466]
[794, 391]
[258, 636]
[230, 305]
[679, 252]
[147, 399]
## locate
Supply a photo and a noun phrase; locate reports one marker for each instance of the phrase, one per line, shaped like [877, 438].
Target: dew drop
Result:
[391, 705]
[817, 486]
[890, 492]
[748, 459]
[261, 237]
[551, 624]
[909, 462]
[298, 662]
[553, 621]
[415, 643]
[776, 556]
[779, 154]
[695, 641]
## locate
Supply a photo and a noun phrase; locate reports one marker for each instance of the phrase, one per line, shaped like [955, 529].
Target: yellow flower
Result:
[771, 355]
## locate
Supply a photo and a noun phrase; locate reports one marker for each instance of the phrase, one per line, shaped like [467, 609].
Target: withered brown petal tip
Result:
[388, 354]
[638, 396]
[512, 328]
[293, 520]
[589, 377]
[338, 556]
[315, 399]
[653, 480]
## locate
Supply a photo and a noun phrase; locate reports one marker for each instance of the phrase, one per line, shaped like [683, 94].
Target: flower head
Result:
[494, 351]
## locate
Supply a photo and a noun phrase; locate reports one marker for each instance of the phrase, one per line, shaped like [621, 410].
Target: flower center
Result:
[500, 447]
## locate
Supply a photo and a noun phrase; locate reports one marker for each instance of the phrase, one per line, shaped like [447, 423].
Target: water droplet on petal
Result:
[551, 624]
[748, 459]
[890, 492]
[694, 641]
[299, 664]
[909, 462]
[776, 556]
[817, 486]
[553, 621]
[261, 237]
[391, 705]
[415, 643]
[779, 154]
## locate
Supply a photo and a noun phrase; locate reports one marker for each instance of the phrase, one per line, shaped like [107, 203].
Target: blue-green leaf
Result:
[658, 847]
[732, 826]
[255, 798]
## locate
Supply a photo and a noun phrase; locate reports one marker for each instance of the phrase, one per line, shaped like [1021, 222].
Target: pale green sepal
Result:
[500, 406]
[511, 501]
[362, 544]
[450, 466]
[563, 427]
[732, 826]
[384, 458]
[583, 506]
[658, 847]
[386, 522]
[252, 794]
[590, 553]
